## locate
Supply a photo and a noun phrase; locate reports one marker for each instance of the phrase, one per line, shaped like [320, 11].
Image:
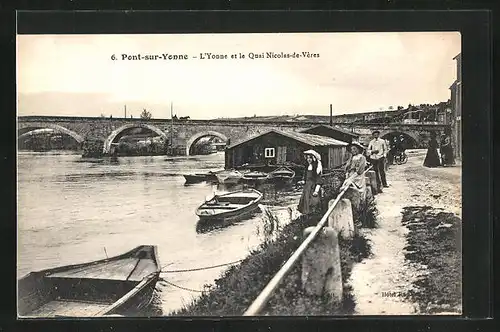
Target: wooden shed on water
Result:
[335, 132]
[275, 148]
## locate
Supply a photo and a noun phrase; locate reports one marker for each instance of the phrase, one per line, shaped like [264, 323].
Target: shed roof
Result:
[309, 139]
[333, 128]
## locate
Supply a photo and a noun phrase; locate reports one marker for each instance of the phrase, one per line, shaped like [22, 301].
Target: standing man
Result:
[377, 152]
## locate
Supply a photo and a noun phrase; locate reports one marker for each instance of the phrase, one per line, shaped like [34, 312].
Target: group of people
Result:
[376, 154]
[439, 153]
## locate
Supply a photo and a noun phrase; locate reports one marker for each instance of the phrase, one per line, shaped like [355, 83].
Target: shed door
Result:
[281, 155]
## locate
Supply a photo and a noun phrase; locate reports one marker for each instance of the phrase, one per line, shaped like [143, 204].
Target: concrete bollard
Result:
[369, 194]
[321, 269]
[356, 198]
[341, 219]
[373, 181]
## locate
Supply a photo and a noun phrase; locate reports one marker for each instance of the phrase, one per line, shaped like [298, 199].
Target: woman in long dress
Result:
[355, 169]
[310, 201]
[432, 158]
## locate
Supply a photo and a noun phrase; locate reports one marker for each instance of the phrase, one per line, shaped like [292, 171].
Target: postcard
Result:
[231, 174]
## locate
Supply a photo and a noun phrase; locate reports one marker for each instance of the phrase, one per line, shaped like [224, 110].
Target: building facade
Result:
[456, 109]
[277, 148]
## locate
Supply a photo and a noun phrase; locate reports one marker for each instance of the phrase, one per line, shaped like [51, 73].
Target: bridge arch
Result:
[193, 139]
[411, 138]
[56, 128]
[109, 140]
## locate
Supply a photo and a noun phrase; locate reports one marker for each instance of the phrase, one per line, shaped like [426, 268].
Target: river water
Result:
[74, 211]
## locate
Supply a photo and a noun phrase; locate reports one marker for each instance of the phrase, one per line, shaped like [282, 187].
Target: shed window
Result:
[269, 152]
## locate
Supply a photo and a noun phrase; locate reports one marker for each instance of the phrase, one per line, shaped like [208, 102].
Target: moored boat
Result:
[255, 177]
[120, 285]
[282, 175]
[194, 178]
[229, 177]
[233, 205]
[200, 177]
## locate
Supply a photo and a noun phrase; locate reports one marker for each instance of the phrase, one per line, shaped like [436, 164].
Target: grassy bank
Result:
[235, 290]
[434, 240]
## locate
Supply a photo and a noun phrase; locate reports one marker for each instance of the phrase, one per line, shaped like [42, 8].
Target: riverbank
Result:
[235, 290]
[239, 285]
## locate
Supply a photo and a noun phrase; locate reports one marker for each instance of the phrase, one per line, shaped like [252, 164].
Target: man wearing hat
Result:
[377, 152]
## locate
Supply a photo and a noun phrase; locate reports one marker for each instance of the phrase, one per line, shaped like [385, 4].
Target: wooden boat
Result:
[255, 177]
[120, 285]
[230, 206]
[229, 177]
[282, 175]
[200, 177]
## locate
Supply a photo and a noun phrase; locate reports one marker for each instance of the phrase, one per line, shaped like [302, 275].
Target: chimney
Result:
[331, 116]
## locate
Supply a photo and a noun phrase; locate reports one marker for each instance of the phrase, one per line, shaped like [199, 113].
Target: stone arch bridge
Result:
[185, 133]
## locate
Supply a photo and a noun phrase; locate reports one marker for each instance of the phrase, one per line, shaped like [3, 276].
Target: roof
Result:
[335, 128]
[309, 139]
[457, 56]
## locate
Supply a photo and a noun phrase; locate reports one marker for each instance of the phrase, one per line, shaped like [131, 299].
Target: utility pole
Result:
[171, 129]
[331, 116]
[125, 106]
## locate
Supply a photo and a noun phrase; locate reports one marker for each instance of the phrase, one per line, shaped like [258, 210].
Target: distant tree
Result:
[400, 108]
[145, 114]
[102, 115]
[391, 108]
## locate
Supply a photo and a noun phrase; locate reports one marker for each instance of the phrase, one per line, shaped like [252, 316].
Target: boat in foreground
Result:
[120, 285]
[282, 175]
[230, 206]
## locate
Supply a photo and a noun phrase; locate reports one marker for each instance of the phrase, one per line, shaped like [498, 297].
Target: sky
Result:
[74, 75]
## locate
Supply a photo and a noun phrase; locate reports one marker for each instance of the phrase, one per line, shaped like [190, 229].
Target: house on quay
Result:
[334, 132]
[274, 148]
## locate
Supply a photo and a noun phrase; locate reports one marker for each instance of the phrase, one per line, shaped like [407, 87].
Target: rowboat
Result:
[282, 175]
[230, 206]
[120, 285]
[255, 177]
[229, 177]
[200, 177]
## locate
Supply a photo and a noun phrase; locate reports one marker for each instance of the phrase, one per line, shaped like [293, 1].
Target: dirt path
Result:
[381, 282]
